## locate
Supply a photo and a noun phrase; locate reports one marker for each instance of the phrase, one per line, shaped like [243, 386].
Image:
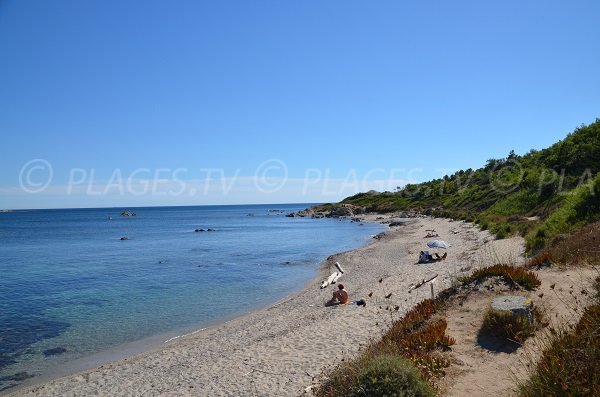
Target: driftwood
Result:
[331, 279]
[422, 283]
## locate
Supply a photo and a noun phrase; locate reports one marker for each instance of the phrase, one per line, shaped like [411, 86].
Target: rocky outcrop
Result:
[127, 213]
[328, 211]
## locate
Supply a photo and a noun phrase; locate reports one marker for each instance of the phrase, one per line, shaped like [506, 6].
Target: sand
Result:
[278, 351]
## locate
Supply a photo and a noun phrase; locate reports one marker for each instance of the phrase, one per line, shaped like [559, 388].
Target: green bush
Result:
[576, 208]
[391, 376]
[506, 325]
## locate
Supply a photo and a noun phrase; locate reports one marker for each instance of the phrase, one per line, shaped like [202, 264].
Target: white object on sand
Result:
[335, 279]
[339, 267]
[437, 244]
[331, 279]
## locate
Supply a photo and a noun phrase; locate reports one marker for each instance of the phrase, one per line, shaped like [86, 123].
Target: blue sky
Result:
[194, 102]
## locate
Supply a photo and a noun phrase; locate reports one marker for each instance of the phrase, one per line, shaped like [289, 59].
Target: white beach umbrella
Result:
[437, 244]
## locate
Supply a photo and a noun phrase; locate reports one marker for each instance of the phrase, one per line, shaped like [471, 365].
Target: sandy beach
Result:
[279, 350]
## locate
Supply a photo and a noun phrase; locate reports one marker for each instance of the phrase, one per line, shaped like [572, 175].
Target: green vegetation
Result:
[391, 376]
[569, 364]
[539, 195]
[507, 326]
[384, 375]
[395, 365]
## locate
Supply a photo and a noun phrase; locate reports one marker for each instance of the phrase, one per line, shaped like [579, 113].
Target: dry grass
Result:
[512, 275]
[581, 247]
[569, 363]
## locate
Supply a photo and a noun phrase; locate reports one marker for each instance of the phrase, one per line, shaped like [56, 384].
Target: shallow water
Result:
[70, 287]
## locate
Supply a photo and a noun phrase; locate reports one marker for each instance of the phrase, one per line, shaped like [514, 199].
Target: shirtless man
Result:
[339, 297]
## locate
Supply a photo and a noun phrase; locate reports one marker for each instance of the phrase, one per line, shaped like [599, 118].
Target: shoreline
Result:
[277, 350]
[154, 343]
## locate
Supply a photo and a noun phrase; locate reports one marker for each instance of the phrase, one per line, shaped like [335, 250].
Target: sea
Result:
[79, 287]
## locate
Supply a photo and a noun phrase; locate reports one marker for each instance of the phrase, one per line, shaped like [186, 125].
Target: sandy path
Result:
[277, 351]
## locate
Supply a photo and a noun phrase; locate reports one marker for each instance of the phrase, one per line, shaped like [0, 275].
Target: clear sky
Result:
[123, 103]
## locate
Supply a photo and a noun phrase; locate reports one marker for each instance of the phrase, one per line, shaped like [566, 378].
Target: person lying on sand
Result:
[440, 258]
[426, 257]
[339, 297]
[429, 234]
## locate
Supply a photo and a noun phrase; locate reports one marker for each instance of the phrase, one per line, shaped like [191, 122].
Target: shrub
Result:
[416, 339]
[569, 364]
[582, 246]
[543, 259]
[391, 376]
[507, 326]
[510, 274]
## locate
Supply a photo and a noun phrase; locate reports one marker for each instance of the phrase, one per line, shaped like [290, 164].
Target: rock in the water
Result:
[54, 351]
[210, 230]
[199, 230]
[18, 377]
[127, 213]
[290, 215]
[517, 305]
[124, 238]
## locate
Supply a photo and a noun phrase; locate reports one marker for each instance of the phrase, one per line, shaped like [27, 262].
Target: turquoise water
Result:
[70, 287]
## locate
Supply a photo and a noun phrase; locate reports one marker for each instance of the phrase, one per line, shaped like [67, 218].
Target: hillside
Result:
[541, 194]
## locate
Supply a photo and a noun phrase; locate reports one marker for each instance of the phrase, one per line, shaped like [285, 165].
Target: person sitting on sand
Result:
[339, 297]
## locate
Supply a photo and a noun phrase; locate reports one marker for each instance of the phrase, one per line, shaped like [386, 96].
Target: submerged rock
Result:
[18, 377]
[54, 351]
